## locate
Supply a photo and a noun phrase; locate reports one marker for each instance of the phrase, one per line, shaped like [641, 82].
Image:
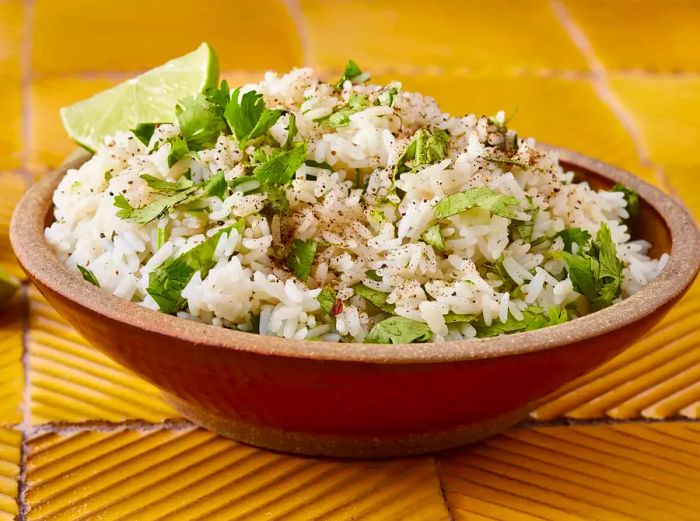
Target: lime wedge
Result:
[148, 98]
[9, 284]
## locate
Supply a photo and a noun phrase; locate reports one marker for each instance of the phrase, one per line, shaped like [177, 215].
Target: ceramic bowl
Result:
[359, 400]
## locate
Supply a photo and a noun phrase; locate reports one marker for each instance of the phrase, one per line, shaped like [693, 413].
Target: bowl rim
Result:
[39, 262]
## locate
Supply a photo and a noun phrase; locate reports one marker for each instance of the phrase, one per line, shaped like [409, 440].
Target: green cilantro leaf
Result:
[301, 258]
[341, 118]
[426, 148]
[523, 230]
[244, 183]
[277, 201]
[316, 164]
[160, 207]
[374, 297]
[479, 197]
[632, 198]
[507, 161]
[596, 274]
[200, 119]
[178, 150]
[388, 94]
[573, 236]
[534, 318]
[144, 132]
[352, 71]
[327, 298]
[457, 318]
[125, 209]
[88, 275]
[280, 168]
[166, 187]
[165, 283]
[248, 117]
[372, 274]
[216, 186]
[398, 330]
[161, 237]
[433, 237]
[291, 131]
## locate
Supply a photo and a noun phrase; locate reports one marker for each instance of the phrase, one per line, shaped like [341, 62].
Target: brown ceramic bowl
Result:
[359, 400]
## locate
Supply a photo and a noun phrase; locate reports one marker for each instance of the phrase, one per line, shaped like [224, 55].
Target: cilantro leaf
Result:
[88, 275]
[388, 94]
[534, 318]
[457, 318]
[277, 201]
[316, 164]
[583, 272]
[248, 117]
[166, 187]
[479, 197]
[523, 230]
[144, 132]
[200, 119]
[291, 131]
[374, 297]
[327, 298]
[161, 237]
[341, 118]
[301, 258]
[244, 183]
[160, 207]
[572, 236]
[125, 209]
[433, 237]
[165, 283]
[596, 274]
[216, 186]
[280, 168]
[632, 198]
[507, 161]
[352, 71]
[178, 150]
[426, 148]
[398, 330]
[372, 274]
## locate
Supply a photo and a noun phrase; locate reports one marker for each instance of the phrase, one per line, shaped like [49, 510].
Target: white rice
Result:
[249, 289]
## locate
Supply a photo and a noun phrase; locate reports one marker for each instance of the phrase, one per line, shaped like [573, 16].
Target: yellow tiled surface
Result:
[637, 34]
[450, 34]
[617, 80]
[578, 473]
[9, 470]
[70, 381]
[193, 474]
[11, 24]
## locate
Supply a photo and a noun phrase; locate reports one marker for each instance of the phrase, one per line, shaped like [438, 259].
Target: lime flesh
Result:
[9, 284]
[148, 98]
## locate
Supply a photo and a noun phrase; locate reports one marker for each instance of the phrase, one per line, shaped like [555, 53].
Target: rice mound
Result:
[373, 259]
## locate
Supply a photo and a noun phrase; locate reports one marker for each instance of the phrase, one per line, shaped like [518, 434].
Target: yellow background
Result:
[619, 80]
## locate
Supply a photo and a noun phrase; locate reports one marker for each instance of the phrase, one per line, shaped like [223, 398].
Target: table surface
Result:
[82, 438]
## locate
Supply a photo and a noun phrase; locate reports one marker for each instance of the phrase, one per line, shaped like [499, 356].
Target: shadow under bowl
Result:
[359, 400]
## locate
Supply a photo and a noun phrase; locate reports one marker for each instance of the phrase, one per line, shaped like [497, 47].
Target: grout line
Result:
[26, 80]
[602, 87]
[408, 70]
[25, 426]
[443, 493]
[297, 14]
[178, 424]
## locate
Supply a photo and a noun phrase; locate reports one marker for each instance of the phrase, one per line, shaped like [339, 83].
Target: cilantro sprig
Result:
[597, 272]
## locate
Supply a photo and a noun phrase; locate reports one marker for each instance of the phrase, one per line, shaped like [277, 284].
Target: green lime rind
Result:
[150, 97]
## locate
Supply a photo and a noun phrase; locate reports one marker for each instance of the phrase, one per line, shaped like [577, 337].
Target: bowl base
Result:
[352, 446]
